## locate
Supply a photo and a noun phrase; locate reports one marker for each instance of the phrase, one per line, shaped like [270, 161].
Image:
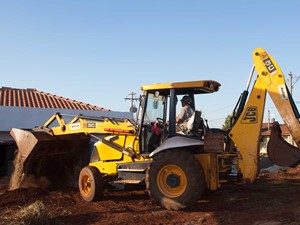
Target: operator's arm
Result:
[179, 118]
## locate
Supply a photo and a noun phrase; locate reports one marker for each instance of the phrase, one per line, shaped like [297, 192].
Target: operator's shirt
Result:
[184, 114]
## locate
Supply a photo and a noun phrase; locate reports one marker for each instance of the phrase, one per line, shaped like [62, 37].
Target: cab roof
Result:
[198, 86]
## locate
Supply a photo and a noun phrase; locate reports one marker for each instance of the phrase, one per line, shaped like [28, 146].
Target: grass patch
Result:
[33, 214]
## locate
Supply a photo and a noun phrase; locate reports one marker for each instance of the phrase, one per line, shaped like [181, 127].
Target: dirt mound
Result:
[282, 173]
[271, 199]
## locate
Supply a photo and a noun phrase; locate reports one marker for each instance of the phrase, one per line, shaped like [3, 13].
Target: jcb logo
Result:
[268, 63]
[91, 125]
[250, 115]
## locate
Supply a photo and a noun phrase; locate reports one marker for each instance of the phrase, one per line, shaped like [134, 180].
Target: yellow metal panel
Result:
[110, 167]
[107, 153]
[246, 132]
[88, 127]
[209, 164]
[209, 85]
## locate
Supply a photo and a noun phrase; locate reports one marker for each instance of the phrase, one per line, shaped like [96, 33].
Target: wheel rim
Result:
[86, 185]
[171, 181]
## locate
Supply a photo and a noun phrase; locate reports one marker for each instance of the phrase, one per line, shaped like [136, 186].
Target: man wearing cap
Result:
[185, 113]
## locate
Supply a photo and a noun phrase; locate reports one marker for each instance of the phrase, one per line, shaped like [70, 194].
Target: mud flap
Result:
[281, 152]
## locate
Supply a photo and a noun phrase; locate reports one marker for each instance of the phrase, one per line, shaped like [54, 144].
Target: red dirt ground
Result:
[273, 199]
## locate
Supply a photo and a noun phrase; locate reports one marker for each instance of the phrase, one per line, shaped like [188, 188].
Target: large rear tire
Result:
[91, 184]
[175, 179]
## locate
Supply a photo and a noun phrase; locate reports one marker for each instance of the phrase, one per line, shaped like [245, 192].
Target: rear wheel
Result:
[91, 184]
[175, 179]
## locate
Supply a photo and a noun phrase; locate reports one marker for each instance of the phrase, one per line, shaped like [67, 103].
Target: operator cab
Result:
[159, 107]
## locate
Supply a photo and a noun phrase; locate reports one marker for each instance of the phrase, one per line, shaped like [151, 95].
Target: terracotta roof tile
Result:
[37, 99]
[267, 132]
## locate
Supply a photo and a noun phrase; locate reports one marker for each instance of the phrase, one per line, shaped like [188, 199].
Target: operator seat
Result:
[195, 125]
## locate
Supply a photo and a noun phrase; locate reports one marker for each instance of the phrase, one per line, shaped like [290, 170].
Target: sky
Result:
[99, 51]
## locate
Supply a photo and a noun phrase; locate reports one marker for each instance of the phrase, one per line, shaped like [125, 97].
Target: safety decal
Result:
[268, 63]
[75, 126]
[283, 92]
[250, 115]
[91, 125]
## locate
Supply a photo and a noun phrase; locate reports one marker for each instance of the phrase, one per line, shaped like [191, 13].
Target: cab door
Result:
[153, 120]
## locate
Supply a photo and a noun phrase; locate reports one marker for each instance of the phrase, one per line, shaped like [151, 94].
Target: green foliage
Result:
[226, 125]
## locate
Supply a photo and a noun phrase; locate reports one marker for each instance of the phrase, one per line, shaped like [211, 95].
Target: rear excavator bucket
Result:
[59, 158]
[281, 152]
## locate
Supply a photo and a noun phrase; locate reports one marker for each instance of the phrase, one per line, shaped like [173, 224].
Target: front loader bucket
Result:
[281, 152]
[25, 141]
[59, 158]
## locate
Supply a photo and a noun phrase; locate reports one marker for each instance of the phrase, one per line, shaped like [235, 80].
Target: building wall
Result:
[27, 118]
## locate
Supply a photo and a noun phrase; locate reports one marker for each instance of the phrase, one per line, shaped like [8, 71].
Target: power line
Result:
[223, 118]
[218, 110]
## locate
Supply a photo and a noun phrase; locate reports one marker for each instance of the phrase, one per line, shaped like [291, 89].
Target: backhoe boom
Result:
[246, 131]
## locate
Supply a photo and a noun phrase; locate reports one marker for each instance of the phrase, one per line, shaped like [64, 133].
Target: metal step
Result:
[128, 181]
[131, 170]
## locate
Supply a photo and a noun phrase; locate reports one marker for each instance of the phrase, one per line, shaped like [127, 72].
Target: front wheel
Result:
[175, 179]
[91, 184]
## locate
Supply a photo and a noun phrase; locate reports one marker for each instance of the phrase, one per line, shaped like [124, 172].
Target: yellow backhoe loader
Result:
[175, 167]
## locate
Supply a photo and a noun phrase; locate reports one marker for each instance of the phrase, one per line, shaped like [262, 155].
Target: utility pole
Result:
[132, 98]
[291, 84]
[268, 119]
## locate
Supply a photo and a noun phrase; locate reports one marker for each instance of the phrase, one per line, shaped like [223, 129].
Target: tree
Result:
[227, 123]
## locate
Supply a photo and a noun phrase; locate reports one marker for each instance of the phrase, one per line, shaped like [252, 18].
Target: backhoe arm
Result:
[274, 82]
[279, 151]
[246, 132]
